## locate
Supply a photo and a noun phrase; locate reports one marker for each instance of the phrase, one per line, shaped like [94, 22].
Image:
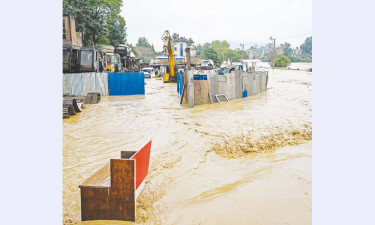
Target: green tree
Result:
[116, 30]
[282, 61]
[243, 54]
[210, 53]
[307, 46]
[230, 55]
[143, 42]
[153, 49]
[288, 51]
[269, 45]
[99, 21]
[220, 47]
[200, 48]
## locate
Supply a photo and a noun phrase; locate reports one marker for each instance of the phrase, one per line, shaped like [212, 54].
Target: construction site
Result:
[174, 139]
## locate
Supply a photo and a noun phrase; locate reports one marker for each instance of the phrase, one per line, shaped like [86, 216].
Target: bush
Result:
[282, 61]
[299, 59]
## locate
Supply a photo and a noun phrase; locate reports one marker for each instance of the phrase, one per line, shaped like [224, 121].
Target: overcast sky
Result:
[237, 21]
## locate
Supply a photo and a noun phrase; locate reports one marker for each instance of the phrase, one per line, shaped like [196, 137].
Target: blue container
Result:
[244, 94]
[126, 83]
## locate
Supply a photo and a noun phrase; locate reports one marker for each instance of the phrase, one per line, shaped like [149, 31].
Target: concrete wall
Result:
[232, 84]
[83, 83]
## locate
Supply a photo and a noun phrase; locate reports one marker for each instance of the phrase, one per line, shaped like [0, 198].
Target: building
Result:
[179, 46]
[71, 38]
[254, 53]
[280, 50]
[297, 52]
[145, 55]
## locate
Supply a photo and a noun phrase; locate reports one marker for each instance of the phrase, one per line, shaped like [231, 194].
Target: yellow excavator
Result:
[171, 76]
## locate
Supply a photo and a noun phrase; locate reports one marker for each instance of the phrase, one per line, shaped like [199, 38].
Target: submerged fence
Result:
[126, 83]
[83, 83]
[203, 86]
[104, 83]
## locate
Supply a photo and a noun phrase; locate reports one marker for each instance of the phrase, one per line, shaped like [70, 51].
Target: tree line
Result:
[143, 42]
[306, 55]
[99, 21]
[288, 55]
[219, 52]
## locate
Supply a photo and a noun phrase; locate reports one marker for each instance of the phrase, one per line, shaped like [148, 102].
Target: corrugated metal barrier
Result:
[132, 83]
[83, 83]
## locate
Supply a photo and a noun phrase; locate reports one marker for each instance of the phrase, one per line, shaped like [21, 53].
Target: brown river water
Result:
[248, 161]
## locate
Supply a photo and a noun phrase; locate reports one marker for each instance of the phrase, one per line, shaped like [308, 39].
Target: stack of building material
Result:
[73, 102]
[80, 98]
[68, 110]
[92, 98]
[70, 107]
[74, 105]
[66, 113]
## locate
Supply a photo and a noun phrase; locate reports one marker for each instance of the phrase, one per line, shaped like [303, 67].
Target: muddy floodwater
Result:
[248, 161]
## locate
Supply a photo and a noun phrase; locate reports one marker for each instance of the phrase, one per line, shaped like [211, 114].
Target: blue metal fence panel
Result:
[132, 83]
[179, 83]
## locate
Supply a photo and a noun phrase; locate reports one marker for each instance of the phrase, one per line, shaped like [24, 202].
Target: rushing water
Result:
[189, 183]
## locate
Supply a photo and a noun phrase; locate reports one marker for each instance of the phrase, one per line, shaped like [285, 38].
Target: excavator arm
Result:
[171, 77]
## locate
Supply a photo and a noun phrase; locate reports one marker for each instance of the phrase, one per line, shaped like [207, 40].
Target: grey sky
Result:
[245, 21]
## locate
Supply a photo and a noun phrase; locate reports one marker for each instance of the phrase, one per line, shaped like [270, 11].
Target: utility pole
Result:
[188, 58]
[274, 51]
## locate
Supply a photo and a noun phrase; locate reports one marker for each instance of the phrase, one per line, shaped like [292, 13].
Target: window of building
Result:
[64, 33]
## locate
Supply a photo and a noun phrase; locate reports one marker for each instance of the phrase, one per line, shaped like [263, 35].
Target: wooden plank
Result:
[197, 90]
[205, 91]
[100, 179]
